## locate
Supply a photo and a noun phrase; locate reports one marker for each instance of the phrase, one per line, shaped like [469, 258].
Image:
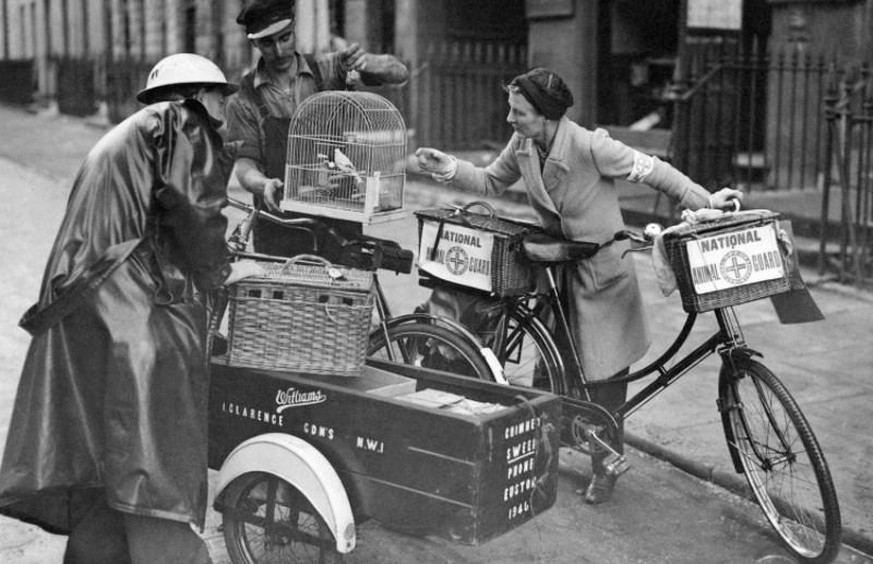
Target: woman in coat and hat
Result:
[107, 441]
[570, 174]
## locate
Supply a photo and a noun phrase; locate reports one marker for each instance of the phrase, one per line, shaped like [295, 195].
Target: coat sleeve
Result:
[494, 179]
[614, 159]
[191, 190]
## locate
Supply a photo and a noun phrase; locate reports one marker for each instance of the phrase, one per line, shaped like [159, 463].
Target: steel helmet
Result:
[183, 68]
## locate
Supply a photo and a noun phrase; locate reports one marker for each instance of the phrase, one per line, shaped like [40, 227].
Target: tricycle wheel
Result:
[266, 519]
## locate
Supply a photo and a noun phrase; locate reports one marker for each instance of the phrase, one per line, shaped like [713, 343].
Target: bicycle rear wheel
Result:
[430, 346]
[773, 445]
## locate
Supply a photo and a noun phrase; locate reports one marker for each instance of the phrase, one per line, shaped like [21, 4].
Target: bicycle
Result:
[417, 338]
[768, 438]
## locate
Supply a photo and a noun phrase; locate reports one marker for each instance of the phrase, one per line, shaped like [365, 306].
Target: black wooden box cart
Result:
[302, 458]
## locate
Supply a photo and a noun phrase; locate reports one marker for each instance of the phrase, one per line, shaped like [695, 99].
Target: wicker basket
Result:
[733, 260]
[306, 315]
[474, 250]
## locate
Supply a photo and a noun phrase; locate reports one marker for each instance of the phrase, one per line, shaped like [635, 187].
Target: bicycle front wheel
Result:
[773, 444]
[528, 353]
[266, 520]
[430, 346]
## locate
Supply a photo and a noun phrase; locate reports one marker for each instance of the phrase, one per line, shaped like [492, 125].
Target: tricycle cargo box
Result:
[480, 251]
[469, 470]
[306, 315]
[730, 261]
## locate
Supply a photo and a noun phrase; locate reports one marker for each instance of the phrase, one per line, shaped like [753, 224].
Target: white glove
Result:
[442, 167]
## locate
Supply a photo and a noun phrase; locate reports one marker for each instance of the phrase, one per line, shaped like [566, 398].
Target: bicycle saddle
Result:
[540, 247]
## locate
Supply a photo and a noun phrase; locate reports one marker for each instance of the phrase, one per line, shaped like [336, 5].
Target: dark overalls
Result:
[273, 239]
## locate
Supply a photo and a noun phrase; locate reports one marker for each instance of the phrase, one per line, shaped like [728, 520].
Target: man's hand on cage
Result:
[353, 58]
[272, 193]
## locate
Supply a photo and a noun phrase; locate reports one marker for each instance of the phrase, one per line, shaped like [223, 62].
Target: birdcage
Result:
[346, 158]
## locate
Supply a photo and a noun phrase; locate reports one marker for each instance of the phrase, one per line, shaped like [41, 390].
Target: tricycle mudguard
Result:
[301, 465]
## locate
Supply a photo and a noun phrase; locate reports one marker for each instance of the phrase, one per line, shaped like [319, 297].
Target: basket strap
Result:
[436, 243]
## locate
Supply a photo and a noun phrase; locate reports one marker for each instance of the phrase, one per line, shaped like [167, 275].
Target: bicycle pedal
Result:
[616, 465]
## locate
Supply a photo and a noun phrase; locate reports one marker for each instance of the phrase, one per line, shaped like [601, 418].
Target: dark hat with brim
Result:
[262, 18]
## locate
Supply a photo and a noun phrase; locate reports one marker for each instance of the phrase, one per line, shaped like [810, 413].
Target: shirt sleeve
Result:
[244, 127]
[616, 160]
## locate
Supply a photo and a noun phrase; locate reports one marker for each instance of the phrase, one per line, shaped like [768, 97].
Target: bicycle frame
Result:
[727, 340]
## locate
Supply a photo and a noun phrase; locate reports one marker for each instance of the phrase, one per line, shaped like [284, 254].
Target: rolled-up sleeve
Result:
[244, 128]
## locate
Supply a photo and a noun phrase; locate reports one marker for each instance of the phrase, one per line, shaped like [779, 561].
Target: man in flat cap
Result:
[259, 115]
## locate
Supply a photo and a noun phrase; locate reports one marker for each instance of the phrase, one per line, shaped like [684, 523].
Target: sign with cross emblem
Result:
[735, 258]
[456, 254]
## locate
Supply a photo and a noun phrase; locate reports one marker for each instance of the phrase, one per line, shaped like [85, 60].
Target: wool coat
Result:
[112, 400]
[574, 195]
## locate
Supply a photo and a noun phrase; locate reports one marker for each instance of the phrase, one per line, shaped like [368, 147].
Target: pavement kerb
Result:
[727, 480]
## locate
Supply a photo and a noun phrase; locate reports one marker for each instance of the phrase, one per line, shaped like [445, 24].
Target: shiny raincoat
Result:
[113, 394]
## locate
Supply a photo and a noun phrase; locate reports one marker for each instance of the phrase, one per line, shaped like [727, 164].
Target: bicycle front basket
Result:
[480, 251]
[730, 261]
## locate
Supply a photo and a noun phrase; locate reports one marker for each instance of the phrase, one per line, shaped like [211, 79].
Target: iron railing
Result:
[751, 118]
[847, 189]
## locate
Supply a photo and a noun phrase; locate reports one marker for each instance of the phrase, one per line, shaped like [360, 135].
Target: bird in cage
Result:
[344, 164]
[332, 175]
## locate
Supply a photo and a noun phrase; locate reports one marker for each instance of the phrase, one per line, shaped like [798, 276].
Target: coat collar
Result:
[541, 182]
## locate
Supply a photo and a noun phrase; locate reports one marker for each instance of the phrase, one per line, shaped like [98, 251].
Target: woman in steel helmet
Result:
[120, 326]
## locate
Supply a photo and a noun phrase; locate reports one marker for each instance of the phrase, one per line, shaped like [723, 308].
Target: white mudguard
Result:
[301, 465]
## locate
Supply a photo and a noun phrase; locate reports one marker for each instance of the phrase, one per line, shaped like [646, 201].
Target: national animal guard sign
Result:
[463, 255]
[736, 258]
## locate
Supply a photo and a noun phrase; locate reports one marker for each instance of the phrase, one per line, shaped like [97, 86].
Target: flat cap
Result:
[262, 18]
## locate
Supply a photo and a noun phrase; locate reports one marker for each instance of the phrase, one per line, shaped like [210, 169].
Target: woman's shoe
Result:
[600, 488]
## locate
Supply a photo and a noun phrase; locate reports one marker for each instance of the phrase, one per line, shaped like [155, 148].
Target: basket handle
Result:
[480, 203]
[308, 259]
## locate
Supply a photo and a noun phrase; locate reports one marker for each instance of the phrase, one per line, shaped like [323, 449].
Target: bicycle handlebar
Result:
[254, 211]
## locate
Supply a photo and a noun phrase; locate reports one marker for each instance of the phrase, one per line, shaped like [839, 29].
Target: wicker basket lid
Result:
[488, 222]
[310, 270]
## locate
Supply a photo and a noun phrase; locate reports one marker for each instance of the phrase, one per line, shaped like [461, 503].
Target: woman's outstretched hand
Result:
[433, 161]
[726, 199]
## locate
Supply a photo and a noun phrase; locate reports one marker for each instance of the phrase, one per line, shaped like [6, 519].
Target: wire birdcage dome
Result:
[346, 157]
